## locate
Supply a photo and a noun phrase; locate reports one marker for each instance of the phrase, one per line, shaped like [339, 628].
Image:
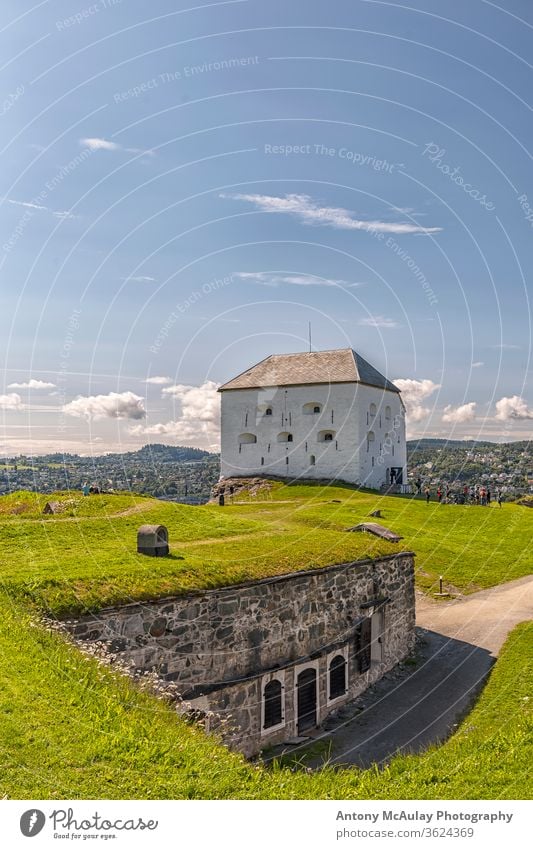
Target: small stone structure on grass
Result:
[153, 540]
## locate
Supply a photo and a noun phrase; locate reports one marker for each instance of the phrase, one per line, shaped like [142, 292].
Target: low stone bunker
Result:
[153, 540]
[268, 660]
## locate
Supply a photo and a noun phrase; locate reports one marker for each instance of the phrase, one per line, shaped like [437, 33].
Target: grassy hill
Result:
[85, 557]
[72, 728]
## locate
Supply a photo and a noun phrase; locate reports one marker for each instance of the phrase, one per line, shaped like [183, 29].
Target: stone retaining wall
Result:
[221, 646]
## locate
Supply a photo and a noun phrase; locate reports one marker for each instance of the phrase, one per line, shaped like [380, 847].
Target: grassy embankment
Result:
[86, 556]
[72, 729]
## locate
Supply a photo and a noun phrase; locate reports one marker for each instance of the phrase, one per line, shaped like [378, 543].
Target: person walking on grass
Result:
[427, 494]
[500, 498]
[439, 495]
[488, 497]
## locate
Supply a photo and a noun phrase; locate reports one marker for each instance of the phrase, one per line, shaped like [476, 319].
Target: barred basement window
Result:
[312, 460]
[272, 696]
[337, 677]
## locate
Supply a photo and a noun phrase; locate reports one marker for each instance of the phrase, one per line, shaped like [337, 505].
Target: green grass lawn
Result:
[85, 557]
[71, 728]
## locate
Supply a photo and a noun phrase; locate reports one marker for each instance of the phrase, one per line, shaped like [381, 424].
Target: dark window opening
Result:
[337, 677]
[268, 411]
[286, 461]
[363, 641]
[289, 437]
[328, 437]
[312, 459]
[273, 704]
[306, 700]
[316, 409]
[262, 461]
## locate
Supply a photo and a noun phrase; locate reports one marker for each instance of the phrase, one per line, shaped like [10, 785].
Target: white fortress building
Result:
[324, 415]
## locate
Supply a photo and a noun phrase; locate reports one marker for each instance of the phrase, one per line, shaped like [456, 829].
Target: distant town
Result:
[187, 475]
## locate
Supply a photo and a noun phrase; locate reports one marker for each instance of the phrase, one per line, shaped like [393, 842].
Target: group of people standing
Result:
[468, 495]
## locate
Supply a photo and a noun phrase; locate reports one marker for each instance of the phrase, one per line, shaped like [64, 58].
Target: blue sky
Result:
[185, 187]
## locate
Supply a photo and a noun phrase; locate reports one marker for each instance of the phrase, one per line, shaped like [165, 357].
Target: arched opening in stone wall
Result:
[306, 699]
[273, 704]
[337, 677]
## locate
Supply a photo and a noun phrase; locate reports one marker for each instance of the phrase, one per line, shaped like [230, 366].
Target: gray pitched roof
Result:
[341, 366]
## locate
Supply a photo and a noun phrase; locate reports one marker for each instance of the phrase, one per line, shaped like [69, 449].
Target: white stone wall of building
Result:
[351, 413]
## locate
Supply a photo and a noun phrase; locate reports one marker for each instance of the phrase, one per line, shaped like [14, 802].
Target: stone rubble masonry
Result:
[220, 647]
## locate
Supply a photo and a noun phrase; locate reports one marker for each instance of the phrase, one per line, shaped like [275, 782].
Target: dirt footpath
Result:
[483, 619]
[421, 703]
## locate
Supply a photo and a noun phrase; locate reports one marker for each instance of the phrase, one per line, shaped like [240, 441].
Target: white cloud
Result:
[31, 205]
[63, 214]
[27, 204]
[413, 393]
[158, 380]
[268, 278]
[477, 364]
[304, 208]
[115, 405]
[378, 321]
[513, 408]
[198, 419]
[32, 384]
[99, 144]
[463, 413]
[103, 144]
[139, 279]
[10, 402]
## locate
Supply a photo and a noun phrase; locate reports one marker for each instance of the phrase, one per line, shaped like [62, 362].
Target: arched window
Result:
[337, 677]
[373, 410]
[284, 436]
[312, 460]
[387, 413]
[268, 411]
[247, 438]
[370, 438]
[312, 408]
[273, 708]
[326, 436]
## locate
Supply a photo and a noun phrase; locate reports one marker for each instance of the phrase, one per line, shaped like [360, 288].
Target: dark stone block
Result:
[180, 630]
[158, 627]
[255, 637]
[226, 608]
[224, 633]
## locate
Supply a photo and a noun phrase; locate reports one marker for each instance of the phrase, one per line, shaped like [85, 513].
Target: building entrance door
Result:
[396, 475]
[306, 699]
